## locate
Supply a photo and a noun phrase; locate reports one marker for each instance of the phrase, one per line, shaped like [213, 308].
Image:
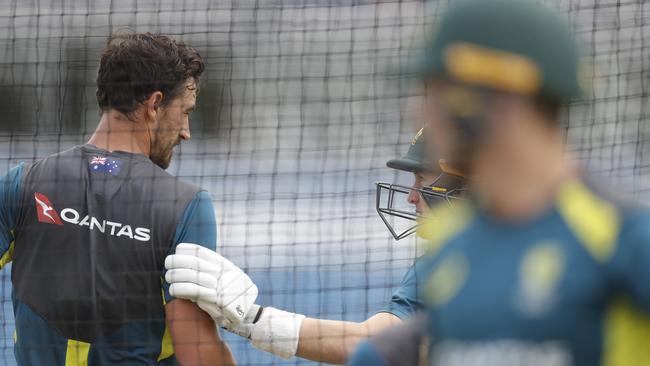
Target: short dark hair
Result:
[135, 65]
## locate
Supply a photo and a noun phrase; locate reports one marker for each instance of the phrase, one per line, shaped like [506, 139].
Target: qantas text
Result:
[104, 226]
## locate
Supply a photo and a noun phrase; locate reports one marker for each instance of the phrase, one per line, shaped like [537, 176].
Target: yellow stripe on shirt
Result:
[595, 222]
[77, 353]
[626, 335]
[8, 256]
[443, 223]
[166, 345]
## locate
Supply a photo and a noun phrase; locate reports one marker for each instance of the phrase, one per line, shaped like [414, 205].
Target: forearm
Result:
[206, 352]
[332, 341]
[210, 351]
[196, 341]
[329, 341]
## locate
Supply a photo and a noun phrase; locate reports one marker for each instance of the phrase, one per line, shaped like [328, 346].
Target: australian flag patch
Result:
[100, 164]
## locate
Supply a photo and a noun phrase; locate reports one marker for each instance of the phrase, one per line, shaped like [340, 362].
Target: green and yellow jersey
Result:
[569, 287]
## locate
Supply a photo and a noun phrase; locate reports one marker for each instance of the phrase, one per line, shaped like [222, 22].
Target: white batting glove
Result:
[225, 292]
[219, 287]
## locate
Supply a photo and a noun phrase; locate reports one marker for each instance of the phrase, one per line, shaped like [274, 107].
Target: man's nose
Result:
[413, 197]
[185, 133]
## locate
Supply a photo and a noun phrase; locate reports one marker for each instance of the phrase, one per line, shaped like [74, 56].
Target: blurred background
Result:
[302, 104]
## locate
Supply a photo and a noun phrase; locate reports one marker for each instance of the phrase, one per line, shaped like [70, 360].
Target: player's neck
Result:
[521, 185]
[115, 132]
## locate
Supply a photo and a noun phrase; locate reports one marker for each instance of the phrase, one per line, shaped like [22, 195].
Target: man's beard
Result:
[162, 157]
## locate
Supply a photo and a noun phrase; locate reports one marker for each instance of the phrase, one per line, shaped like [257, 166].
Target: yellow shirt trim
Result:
[593, 220]
[166, 346]
[8, 256]
[77, 353]
[627, 331]
[443, 223]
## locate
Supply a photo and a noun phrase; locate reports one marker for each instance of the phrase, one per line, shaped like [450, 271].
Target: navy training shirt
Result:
[88, 231]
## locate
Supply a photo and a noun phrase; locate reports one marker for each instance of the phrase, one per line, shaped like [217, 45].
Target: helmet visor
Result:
[400, 216]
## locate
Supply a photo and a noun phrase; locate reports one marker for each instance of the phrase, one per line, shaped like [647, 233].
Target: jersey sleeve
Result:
[366, 353]
[400, 345]
[9, 209]
[630, 263]
[198, 225]
[404, 301]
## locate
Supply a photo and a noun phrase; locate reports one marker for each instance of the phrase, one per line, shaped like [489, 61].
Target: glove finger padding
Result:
[235, 283]
[204, 253]
[192, 291]
[232, 286]
[188, 275]
[199, 274]
[186, 261]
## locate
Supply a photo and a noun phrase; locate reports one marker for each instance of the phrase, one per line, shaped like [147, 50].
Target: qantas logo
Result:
[45, 210]
[47, 214]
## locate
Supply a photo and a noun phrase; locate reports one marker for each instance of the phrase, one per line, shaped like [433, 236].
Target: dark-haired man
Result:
[88, 228]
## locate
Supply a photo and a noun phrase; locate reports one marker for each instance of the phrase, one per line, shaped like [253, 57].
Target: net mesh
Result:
[298, 112]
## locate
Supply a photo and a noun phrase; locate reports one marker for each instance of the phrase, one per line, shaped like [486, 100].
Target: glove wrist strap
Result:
[277, 331]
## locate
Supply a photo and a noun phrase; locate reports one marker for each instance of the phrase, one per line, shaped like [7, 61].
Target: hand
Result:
[218, 287]
[225, 292]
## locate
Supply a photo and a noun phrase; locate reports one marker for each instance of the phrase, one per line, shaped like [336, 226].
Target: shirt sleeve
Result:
[198, 225]
[405, 301]
[366, 354]
[398, 345]
[630, 263]
[9, 209]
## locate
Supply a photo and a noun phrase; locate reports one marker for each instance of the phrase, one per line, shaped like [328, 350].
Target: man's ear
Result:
[152, 104]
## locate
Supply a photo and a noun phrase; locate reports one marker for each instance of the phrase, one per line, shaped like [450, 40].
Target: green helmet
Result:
[416, 159]
[516, 46]
[392, 199]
